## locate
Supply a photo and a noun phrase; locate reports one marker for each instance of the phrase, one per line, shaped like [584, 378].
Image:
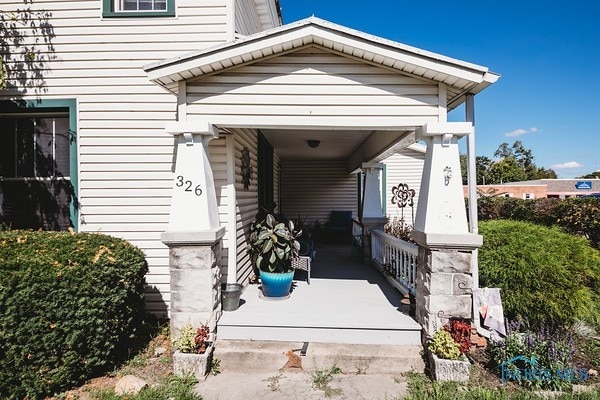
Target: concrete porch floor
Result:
[346, 302]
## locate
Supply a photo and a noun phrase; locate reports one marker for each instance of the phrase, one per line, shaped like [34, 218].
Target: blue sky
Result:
[548, 54]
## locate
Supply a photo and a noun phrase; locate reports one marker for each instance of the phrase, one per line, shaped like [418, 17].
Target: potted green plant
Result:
[272, 247]
[194, 348]
[445, 358]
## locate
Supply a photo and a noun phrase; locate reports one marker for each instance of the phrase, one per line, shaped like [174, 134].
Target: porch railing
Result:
[397, 259]
[357, 239]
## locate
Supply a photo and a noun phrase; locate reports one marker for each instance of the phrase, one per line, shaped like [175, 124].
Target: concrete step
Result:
[409, 335]
[271, 356]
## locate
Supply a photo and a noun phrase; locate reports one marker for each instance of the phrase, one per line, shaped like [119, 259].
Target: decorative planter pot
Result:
[449, 370]
[276, 284]
[192, 363]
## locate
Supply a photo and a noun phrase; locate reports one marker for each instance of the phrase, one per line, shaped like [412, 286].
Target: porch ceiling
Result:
[334, 144]
[460, 77]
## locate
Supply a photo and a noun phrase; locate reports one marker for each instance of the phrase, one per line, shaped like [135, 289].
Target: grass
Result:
[174, 387]
[322, 378]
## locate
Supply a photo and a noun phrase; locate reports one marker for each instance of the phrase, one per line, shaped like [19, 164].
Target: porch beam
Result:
[376, 144]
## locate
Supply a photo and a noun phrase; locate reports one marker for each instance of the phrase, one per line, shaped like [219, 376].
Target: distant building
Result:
[541, 188]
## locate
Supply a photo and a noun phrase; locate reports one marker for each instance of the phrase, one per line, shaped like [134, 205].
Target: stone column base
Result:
[444, 280]
[194, 266]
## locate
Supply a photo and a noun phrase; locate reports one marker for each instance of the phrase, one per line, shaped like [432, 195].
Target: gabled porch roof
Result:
[460, 77]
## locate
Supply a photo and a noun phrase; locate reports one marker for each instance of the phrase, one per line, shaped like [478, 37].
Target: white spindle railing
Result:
[396, 258]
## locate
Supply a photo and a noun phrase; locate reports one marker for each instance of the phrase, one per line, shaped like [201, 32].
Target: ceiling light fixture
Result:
[313, 143]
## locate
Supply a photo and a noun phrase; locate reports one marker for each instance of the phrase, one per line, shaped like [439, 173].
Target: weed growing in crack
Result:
[215, 366]
[322, 378]
[274, 382]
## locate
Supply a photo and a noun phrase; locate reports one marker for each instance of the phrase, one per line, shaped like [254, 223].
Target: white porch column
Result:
[444, 278]
[193, 234]
[372, 212]
[194, 201]
[372, 206]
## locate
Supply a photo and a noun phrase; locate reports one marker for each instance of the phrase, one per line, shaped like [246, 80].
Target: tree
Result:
[543, 173]
[514, 164]
[506, 170]
[482, 166]
[503, 151]
[593, 175]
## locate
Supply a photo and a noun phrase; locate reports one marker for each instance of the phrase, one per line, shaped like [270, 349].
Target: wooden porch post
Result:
[444, 272]
[194, 235]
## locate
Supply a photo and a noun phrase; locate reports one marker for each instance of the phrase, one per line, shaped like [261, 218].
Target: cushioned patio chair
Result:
[339, 226]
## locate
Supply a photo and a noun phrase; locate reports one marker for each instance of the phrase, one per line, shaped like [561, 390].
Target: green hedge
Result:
[546, 276]
[70, 306]
[578, 216]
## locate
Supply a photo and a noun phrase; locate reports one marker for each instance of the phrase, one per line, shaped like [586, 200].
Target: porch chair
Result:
[306, 254]
[339, 226]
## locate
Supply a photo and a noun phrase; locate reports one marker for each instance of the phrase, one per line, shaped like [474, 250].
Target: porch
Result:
[346, 302]
[318, 91]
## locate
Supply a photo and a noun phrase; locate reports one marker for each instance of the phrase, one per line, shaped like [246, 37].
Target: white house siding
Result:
[219, 162]
[247, 20]
[311, 189]
[125, 158]
[312, 87]
[247, 201]
[403, 167]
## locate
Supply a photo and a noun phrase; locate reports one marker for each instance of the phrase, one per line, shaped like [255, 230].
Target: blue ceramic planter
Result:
[276, 284]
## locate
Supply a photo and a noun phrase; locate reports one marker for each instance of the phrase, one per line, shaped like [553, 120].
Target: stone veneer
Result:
[444, 281]
[195, 278]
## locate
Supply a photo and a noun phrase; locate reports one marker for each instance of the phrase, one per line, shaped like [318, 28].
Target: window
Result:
[37, 148]
[138, 8]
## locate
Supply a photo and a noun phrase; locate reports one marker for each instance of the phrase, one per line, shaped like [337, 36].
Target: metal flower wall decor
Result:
[246, 168]
[403, 196]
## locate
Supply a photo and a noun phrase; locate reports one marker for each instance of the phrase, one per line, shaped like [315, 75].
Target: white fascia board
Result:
[420, 60]
[241, 52]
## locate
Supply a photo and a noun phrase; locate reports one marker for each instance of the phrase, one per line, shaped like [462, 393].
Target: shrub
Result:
[399, 228]
[546, 275]
[443, 345]
[192, 340]
[578, 216]
[581, 216]
[70, 305]
[460, 330]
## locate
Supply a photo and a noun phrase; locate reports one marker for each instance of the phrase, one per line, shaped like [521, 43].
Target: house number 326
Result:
[187, 185]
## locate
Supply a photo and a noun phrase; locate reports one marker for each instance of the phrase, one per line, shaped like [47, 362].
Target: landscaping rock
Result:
[159, 351]
[130, 385]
